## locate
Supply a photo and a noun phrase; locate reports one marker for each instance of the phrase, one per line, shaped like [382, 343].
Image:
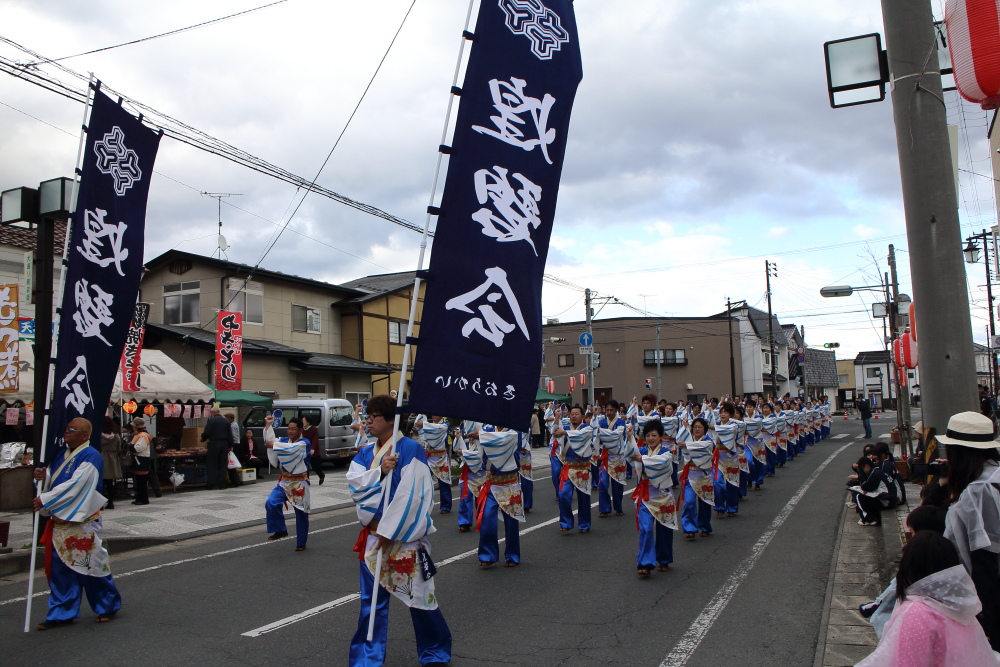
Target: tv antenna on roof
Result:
[223, 246]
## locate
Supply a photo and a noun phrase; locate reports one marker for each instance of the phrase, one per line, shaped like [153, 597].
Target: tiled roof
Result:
[205, 338]
[22, 237]
[821, 368]
[377, 286]
[338, 362]
[872, 357]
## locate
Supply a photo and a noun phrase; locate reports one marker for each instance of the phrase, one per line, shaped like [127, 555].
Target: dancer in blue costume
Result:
[727, 477]
[433, 435]
[655, 508]
[398, 526]
[769, 436]
[500, 495]
[614, 465]
[290, 454]
[553, 420]
[75, 558]
[696, 479]
[473, 474]
[527, 481]
[576, 444]
[756, 451]
[743, 456]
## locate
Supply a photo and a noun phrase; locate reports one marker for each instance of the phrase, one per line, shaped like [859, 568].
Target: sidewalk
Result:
[179, 515]
[866, 560]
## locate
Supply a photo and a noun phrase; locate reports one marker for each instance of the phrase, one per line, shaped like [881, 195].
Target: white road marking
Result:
[339, 602]
[839, 436]
[696, 632]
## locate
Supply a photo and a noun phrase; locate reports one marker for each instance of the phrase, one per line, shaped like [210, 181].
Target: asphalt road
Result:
[752, 593]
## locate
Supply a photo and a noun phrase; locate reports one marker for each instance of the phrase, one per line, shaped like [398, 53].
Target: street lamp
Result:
[40, 209]
[971, 252]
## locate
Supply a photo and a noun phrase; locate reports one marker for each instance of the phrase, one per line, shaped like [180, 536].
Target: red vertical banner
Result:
[133, 348]
[229, 351]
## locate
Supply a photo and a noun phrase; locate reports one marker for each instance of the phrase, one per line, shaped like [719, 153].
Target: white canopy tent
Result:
[161, 378]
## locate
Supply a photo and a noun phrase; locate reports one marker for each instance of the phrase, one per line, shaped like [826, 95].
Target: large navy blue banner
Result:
[479, 345]
[103, 266]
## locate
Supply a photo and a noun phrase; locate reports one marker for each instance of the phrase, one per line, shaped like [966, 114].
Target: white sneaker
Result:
[852, 504]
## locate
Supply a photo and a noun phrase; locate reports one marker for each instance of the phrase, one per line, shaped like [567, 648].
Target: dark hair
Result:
[739, 412]
[728, 407]
[673, 405]
[699, 420]
[613, 403]
[934, 494]
[577, 406]
[868, 449]
[648, 397]
[384, 405]
[965, 465]
[882, 449]
[109, 425]
[864, 462]
[296, 421]
[924, 555]
[927, 517]
[653, 425]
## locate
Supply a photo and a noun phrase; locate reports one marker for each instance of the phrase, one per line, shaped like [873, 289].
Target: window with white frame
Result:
[396, 332]
[843, 380]
[305, 319]
[664, 357]
[182, 303]
[356, 397]
[247, 297]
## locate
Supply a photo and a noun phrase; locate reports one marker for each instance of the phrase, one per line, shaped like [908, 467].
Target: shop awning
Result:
[544, 397]
[162, 381]
[240, 399]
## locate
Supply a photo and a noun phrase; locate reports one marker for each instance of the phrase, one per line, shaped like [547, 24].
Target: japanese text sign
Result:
[229, 351]
[10, 331]
[133, 348]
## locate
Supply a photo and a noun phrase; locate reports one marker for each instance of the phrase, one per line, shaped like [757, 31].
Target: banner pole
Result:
[51, 360]
[413, 310]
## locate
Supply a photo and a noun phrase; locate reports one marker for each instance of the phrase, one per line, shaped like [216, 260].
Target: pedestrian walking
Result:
[219, 436]
[865, 410]
[141, 445]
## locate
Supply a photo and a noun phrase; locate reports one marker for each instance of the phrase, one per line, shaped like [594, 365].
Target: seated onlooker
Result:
[885, 460]
[934, 623]
[873, 494]
[858, 477]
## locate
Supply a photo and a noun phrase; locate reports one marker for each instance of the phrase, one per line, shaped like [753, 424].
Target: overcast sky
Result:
[701, 143]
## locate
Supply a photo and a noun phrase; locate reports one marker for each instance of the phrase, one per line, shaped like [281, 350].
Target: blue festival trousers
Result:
[656, 541]
[444, 492]
[697, 514]
[566, 507]
[744, 481]
[790, 449]
[66, 588]
[528, 492]
[466, 507]
[555, 466]
[489, 541]
[772, 460]
[429, 626]
[756, 471]
[727, 496]
[824, 431]
[609, 494]
[275, 512]
[781, 454]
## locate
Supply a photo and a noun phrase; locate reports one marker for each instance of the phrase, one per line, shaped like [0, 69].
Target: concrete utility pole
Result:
[769, 267]
[659, 361]
[590, 358]
[732, 358]
[948, 369]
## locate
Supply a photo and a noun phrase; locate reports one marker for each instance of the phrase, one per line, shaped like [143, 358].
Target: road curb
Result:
[828, 599]
[20, 561]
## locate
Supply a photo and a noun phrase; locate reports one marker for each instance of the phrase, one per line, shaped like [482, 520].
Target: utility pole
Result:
[659, 362]
[805, 382]
[732, 359]
[590, 357]
[985, 236]
[930, 202]
[902, 391]
[769, 267]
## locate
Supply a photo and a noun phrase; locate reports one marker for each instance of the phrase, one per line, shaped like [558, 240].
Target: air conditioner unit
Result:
[689, 387]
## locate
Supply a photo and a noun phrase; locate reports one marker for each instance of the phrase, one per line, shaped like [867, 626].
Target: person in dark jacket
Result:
[865, 410]
[875, 493]
[220, 439]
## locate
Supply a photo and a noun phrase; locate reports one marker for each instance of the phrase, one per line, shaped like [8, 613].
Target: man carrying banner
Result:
[398, 526]
[75, 559]
[290, 455]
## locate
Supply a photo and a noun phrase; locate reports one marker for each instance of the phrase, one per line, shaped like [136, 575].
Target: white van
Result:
[332, 416]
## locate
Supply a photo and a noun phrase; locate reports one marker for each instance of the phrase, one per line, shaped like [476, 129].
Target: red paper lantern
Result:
[901, 374]
[150, 410]
[908, 350]
[974, 45]
[897, 353]
[550, 386]
[583, 379]
[130, 407]
[913, 321]
[572, 383]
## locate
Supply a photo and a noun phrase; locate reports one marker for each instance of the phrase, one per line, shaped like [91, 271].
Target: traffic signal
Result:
[828, 345]
[649, 383]
[596, 358]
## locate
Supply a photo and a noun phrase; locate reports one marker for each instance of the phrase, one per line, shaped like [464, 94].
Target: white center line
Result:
[696, 632]
[339, 602]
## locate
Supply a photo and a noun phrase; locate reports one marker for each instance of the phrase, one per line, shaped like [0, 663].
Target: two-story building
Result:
[762, 374]
[293, 338]
[692, 359]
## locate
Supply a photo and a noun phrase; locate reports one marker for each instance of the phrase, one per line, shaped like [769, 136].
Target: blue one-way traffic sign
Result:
[586, 339]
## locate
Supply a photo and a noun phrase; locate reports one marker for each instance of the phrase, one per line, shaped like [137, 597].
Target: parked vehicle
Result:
[332, 416]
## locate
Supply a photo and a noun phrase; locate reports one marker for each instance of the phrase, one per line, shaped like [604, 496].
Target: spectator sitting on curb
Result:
[873, 494]
[934, 623]
[885, 460]
[858, 477]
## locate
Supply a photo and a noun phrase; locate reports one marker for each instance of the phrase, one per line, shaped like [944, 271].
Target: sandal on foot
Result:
[511, 563]
[619, 513]
[603, 514]
[463, 529]
[278, 536]
[689, 536]
[490, 563]
[704, 534]
[643, 573]
[663, 568]
[300, 548]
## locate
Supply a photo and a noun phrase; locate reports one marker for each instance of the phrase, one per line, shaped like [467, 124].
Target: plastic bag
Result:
[176, 479]
[234, 462]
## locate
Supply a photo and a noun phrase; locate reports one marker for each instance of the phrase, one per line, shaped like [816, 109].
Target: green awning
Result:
[240, 399]
[544, 397]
